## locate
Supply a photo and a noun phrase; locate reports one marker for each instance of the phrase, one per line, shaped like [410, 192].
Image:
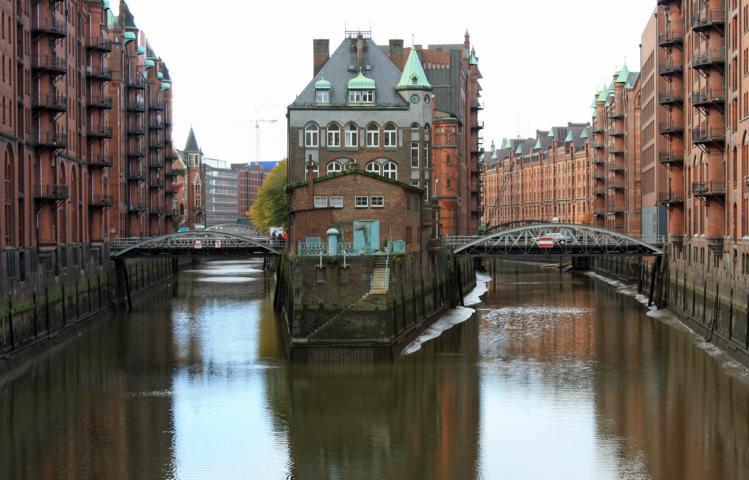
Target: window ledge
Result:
[334, 149]
[391, 149]
[351, 149]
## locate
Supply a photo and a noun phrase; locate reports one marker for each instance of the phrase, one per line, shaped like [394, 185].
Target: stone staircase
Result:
[380, 278]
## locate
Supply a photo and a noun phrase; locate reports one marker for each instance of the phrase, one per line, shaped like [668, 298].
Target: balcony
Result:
[616, 131]
[136, 130]
[156, 144]
[51, 193]
[100, 201]
[157, 211]
[670, 127]
[598, 177]
[99, 73]
[100, 131]
[617, 167]
[599, 191]
[172, 212]
[136, 175]
[616, 149]
[598, 129]
[671, 38]
[669, 67]
[477, 106]
[710, 97]
[477, 126]
[50, 63]
[617, 184]
[599, 212]
[671, 98]
[671, 198]
[616, 113]
[156, 125]
[100, 102]
[170, 155]
[99, 44]
[156, 104]
[708, 189]
[54, 140]
[136, 105]
[710, 19]
[598, 160]
[171, 174]
[671, 158]
[51, 102]
[136, 208]
[746, 180]
[155, 162]
[705, 136]
[136, 83]
[55, 27]
[596, 144]
[155, 183]
[100, 161]
[615, 210]
[136, 153]
[714, 57]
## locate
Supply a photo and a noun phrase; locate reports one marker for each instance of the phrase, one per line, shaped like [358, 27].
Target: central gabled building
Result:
[361, 112]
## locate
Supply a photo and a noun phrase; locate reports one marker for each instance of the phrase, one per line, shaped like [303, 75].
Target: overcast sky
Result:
[233, 61]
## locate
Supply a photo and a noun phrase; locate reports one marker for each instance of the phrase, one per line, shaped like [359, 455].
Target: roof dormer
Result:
[361, 90]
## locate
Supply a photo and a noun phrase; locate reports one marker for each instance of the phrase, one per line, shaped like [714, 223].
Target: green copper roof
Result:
[538, 145]
[474, 60]
[129, 37]
[602, 95]
[551, 133]
[323, 84]
[505, 143]
[413, 77]
[360, 82]
[165, 86]
[519, 150]
[623, 75]
[569, 137]
[106, 4]
[149, 64]
[584, 135]
[595, 113]
[141, 50]
[494, 155]
[160, 76]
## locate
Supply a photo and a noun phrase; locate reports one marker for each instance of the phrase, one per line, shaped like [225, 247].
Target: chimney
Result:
[360, 52]
[320, 53]
[396, 52]
[310, 177]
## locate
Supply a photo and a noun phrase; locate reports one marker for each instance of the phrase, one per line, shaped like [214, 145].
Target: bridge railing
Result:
[122, 243]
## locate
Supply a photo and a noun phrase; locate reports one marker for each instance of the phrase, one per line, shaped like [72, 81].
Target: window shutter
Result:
[301, 137]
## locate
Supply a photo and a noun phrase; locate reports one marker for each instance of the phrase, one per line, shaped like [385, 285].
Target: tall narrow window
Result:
[334, 135]
[390, 170]
[373, 135]
[391, 136]
[311, 133]
[414, 154]
[352, 135]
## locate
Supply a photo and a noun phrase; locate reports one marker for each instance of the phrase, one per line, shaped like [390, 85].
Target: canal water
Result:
[555, 376]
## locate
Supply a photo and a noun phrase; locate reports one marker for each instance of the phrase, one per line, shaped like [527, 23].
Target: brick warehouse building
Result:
[86, 119]
[249, 180]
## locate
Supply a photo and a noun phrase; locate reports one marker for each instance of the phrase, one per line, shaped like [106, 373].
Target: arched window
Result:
[311, 135]
[390, 170]
[352, 135]
[373, 135]
[334, 167]
[373, 167]
[334, 135]
[316, 169]
[391, 136]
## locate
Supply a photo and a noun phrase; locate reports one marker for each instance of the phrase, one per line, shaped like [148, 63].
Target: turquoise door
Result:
[366, 236]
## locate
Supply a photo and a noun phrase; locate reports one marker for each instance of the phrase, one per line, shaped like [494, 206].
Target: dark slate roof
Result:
[149, 51]
[632, 80]
[165, 71]
[577, 130]
[355, 171]
[129, 18]
[543, 136]
[336, 70]
[192, 142]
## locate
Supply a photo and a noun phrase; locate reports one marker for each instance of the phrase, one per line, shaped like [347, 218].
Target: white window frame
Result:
[321, 201]
[390, 170]
[354, 96]
[374, 167]
[373, 136]
[361, 201]
[334, 167]
[391, 136]
[426, 154]
[415, 149]
[322, 96]
[367, 96]
[352, 136]
[311, 135]
[334, 135]
[335, 201]
[377, 201]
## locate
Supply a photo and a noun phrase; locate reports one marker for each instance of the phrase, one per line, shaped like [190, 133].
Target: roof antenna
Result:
[413, 40]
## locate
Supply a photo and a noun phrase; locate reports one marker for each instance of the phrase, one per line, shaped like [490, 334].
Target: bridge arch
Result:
[201, 243]
[557, 239]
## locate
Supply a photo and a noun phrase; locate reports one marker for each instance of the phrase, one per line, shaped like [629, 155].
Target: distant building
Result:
[192, 157]
[249, 179]
[220, 189]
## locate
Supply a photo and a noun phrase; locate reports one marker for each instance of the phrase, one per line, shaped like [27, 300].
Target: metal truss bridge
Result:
[552, 240]
[206, 243]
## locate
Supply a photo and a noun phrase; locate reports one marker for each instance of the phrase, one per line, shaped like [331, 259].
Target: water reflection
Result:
[555, 377]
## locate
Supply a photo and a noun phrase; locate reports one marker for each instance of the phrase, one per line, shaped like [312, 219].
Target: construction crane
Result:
[257, 136]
